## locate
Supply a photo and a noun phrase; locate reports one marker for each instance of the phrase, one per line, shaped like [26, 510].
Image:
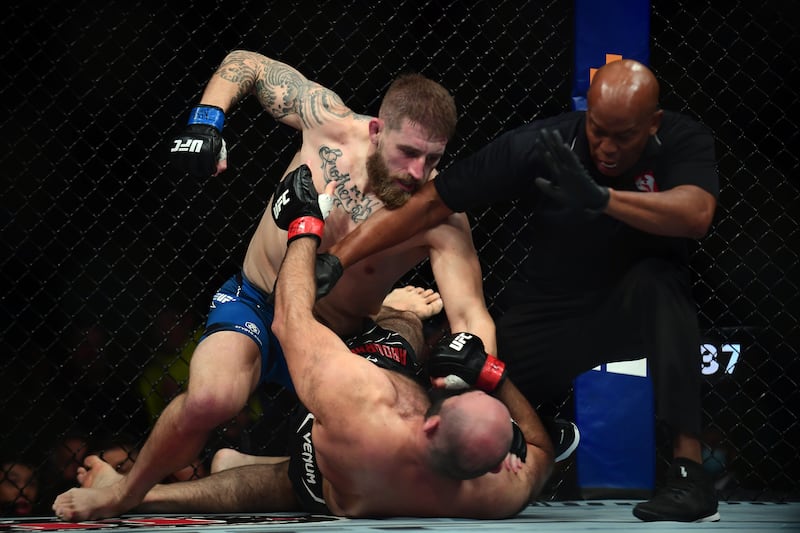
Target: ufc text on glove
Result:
[200, 145]
[298, 208]
[461, 359]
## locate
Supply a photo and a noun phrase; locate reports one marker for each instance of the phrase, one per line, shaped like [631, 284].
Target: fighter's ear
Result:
[431, 424]
[376, 126]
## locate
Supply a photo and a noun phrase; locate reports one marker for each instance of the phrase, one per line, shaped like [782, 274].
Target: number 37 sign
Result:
[719, 358]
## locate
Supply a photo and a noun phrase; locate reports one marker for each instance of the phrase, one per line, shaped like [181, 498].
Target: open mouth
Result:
[407, 187]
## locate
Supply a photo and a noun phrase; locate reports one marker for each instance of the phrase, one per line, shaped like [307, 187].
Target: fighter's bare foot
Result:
[100, 495]
[97, 473]
[424, 303]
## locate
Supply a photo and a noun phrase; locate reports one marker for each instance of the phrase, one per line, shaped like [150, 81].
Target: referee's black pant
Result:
[650, 312]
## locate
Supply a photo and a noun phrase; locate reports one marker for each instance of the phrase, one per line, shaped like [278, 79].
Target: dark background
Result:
[100, 237]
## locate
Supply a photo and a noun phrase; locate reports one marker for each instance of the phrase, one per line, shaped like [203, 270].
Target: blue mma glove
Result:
[200, 146]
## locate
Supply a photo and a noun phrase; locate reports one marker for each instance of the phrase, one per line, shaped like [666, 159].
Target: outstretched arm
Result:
[499, 171]
[457, 271]
[329, 379]
[386, 228]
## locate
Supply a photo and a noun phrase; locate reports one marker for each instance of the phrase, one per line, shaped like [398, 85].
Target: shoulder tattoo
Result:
[283, 91]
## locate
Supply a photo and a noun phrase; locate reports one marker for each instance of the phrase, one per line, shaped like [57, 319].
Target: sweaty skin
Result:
[371, 425]
[355, 481]
[336, 144]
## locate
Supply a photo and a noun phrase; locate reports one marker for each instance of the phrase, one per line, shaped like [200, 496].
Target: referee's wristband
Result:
[210, 115]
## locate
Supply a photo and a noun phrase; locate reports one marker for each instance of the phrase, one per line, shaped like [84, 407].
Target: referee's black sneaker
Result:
[687, 496]
[564, 435]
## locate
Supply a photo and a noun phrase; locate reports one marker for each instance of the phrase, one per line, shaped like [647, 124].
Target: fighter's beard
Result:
[383, 185]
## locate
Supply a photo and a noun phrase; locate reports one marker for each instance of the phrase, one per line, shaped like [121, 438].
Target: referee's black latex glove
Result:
[327, 271]
[571, 185]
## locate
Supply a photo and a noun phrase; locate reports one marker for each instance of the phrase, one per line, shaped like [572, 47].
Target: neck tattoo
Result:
[357, 204]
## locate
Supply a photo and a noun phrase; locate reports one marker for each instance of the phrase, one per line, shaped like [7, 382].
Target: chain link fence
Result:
[109, 257]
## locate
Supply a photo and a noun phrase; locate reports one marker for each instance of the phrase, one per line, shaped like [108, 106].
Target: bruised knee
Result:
[209, 407]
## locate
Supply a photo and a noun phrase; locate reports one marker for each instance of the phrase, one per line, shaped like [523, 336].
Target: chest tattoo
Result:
[350, 198]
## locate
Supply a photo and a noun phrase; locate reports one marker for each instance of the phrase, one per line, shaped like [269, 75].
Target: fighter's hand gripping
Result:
[297, 208]
[463, 363]
[569, 182]
[200, 145]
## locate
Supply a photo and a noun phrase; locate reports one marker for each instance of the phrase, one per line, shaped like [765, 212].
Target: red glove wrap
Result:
[491, 373]
[307, 225]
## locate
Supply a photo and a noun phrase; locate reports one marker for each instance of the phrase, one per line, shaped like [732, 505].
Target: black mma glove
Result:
[297, 208]
[327, 272]
[198, 148]
[462, 361]
[573, 186]
[519, 446]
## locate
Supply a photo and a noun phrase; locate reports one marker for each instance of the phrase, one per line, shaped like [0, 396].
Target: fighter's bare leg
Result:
[251, 488]
[195, 470]
[424, 303]
[227, 458]
[257, 488]
[215, 394]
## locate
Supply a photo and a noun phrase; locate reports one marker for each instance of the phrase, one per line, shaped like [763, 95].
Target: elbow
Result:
[279, 324]
[436, 207]
[434, 210]
[700, 223]
[698, 229]
[702, 215]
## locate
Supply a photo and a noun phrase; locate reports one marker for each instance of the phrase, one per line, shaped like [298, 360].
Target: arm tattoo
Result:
[283, 91]
[352, 200]
[237, 69]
